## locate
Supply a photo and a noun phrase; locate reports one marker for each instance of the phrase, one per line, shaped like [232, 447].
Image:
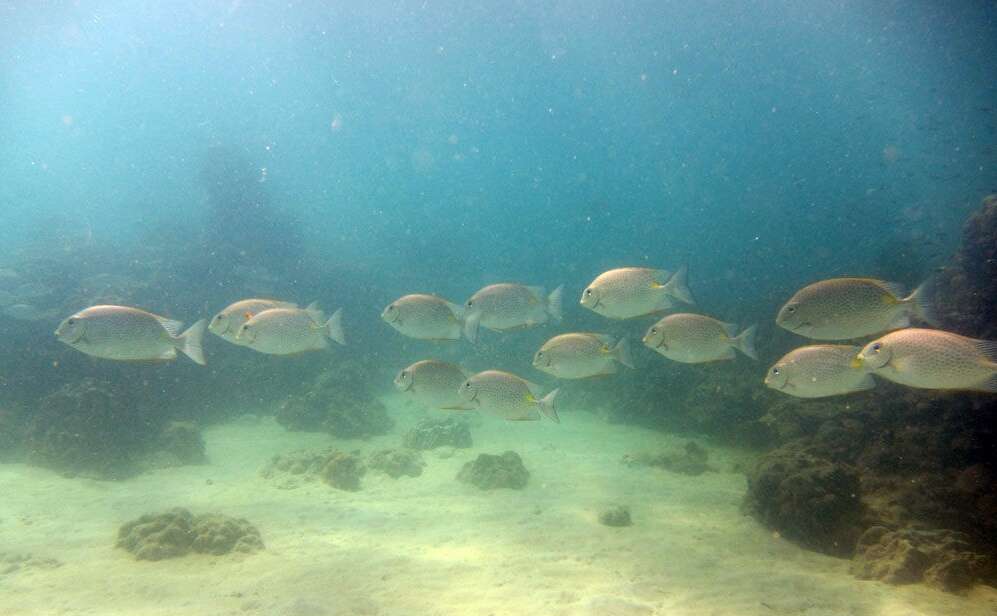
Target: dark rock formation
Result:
[941, 558]
[337, 402]
[343, 471]
[618, 515]
[397, 462]
[489, 472]
[810, 500]
[178, 532]
[691, 460]
[431, 433]
[89, 427]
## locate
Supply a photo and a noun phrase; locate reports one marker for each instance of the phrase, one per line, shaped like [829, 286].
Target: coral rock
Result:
[397, 462]
[177, 532]
[488, 472]
[343, 471]
[433, 433]
[618, 515]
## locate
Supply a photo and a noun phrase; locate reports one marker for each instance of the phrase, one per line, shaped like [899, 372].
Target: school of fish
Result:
[838, 309]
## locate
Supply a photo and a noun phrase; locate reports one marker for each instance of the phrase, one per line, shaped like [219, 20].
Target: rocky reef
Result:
[178, 532]
[337, 402]
[338, 469]
[489, 472]
[397, 463]
[902, 481]
[434, 432]
[692, 459]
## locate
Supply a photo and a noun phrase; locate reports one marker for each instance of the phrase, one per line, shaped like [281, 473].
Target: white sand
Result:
[430, 545]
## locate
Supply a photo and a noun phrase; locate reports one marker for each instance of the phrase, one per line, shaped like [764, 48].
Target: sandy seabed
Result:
[431, 545]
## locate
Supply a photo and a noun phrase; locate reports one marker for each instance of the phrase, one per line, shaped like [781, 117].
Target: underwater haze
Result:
[174, 158]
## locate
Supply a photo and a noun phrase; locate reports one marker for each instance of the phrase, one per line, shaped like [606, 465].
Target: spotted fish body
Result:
[434, 384]
[507, 396]
[130, 334]
[847, 308]
[226, 324]
[695, 338]
[582, 355]
[630, 292]
[932, 359]
[425, 317]
[289, 331]
[505, 306]
[818, 371]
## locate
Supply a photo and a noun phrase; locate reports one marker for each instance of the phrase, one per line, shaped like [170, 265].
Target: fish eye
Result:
[403, 374]
[467, 385]
[791, 309]
[470, 303]
[588, 291]
[775, 371]
[654, 330]
[876, 346]
[71, 321]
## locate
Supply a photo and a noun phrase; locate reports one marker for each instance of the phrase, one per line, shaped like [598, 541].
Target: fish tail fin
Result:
[548, 406]
[334, 327]
[471, 323]
[922, 303]
[189, 342]
[678, 286]
[554, 302]
[622, 352]
[745, 342]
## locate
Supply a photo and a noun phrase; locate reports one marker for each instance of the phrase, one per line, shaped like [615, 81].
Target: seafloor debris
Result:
[488, 471]
[178, 532]
[691, 460]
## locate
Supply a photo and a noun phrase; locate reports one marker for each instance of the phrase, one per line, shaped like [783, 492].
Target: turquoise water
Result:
[180, 156]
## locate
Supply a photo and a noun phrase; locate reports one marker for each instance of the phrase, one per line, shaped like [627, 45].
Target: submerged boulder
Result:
[434, 432]
[489, 472]
[691, 460]
[617, 515]
[343, 471]
[177, 532]
[397, 462]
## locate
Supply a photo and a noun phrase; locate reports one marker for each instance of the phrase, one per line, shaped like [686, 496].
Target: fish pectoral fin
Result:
[865, 384]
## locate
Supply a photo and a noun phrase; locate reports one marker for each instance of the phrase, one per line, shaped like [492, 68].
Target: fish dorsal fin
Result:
[537, 293]
[282, 304]
[605, 339]
[315, 313]
[896, 289]
[172, 327]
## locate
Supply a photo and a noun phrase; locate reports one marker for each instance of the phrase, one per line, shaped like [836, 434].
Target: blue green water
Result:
[355, 152]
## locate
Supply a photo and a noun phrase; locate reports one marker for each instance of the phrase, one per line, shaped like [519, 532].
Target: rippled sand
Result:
[431, 545]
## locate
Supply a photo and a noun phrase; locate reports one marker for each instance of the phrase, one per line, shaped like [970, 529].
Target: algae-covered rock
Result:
[178, 532]
[343, 471]
[183, 440]
[89, 427]
[617, 515]
[691, 460]
[397, 462]
[431, 433]
[807, 499]
[489, 472]
[338, 402]
[941, 558]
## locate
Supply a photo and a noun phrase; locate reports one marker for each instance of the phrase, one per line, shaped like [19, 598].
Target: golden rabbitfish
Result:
[130, 334]
[846, 308]
[226, 324]
[630, 292]
[508, 396]
[288, 331]
[581, 355]
[507, 305]
[818, 371]
[695, 338]
[434, 383]
[932, 359]
[424, 316]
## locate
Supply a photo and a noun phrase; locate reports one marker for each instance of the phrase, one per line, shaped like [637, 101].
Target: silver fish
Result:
[130, 334]
[289, 331]
[847, 308]
[581, 355]
[425, 317]
[630, 292]
[227, 323]
[818, 371]
[506, 306]
[932, 359]
[695, 338]
[434, 383]
[508, 396]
